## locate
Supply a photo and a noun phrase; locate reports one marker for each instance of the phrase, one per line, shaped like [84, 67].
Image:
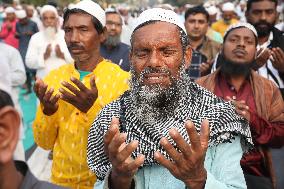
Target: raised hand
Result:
[262, 57]
[49, 102]
[82, 97]
[58, 52]
[278, 59]
[119, 153]
[187, 165]
[241, 108]
[47, 52]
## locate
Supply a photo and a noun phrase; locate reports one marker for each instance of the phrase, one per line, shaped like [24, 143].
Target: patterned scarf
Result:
[196, 105]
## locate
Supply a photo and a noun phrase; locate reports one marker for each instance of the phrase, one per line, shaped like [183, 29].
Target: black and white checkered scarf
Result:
[196, 105]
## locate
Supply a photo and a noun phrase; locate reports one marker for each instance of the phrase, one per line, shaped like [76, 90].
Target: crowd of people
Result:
[164, 97]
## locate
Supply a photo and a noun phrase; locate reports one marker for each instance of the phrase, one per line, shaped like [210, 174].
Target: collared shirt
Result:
[8, 36]
[37, 47]
[66, 131]
[30, 181]
[118, 55]
[221, 27]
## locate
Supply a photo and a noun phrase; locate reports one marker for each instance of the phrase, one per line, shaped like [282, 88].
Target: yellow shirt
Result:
[221, 27]
[66, 131]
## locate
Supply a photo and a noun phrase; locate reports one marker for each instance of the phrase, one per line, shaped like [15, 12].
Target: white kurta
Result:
[37, 48]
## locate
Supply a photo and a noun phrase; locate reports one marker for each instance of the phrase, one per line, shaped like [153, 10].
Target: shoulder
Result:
[36, 36]
[60, 72]
[111, 69]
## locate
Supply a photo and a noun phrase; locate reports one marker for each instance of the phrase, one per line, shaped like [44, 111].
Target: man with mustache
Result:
[262, 14]
[72, 96]
[156, 134]
[257, 99]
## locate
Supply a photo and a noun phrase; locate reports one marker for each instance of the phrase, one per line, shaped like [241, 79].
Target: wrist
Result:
[198, 182]
[117, 180]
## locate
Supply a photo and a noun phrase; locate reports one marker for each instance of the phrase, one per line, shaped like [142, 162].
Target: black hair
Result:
[5, 99]
[97, 24]
[227, 33]
[195, 10]
[183, 36]
[250, 2]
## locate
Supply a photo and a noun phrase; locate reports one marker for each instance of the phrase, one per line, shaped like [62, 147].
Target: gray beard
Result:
[49, 33]
[153, 103]
[112, 41]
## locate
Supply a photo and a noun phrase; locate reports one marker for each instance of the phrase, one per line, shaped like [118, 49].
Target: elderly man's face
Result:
[262, 15]
[113, 24]
[228, 15]
[82, 39]
[157, 47]
[49, 19]
[240, 46]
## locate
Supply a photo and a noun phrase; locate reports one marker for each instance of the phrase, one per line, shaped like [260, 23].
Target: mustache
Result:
[263, 23]
[149, 70]
[239, 49]
[76, 46]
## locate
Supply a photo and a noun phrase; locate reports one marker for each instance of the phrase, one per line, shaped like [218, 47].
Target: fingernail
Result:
[163, 141]
[61, 90]
[63, 82]
[72, 78]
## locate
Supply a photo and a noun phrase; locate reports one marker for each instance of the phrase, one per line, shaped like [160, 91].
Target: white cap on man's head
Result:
[158, 14]
[50, 8]
[212, 10]
[21, 14]
[93, 9]
[228, 6]
[9, 10]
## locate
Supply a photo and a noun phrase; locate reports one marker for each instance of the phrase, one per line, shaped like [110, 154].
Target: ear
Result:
[9, 133]
[103, 35]
[187, 56]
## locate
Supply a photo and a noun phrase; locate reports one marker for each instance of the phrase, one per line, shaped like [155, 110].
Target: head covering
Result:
[9, 10]
[158, 14]
[212, 10]
[228, 6]
[21, 14]
[241, 25]
[93, 9]
[46, 8]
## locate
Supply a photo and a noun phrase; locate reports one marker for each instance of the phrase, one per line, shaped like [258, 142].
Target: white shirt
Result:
[37, 47]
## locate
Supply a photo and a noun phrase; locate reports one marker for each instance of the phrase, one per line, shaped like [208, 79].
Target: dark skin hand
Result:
[124, 166]
[262, 57]
[82, 97]
[278, 59]
[58, 52]
[187, 165]
[241, 108]
[47, 52]
[49, 102]
[205, 67]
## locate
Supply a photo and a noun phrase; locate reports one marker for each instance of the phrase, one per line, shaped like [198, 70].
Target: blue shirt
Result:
[222, 163]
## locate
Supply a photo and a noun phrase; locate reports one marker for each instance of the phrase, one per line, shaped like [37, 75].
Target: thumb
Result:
[93, 83]
[204, 134]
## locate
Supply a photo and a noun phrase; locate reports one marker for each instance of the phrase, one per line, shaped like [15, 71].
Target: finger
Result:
[67, 97]
[127, 151]
[41, 90]
[71, 88]
[181, 143]
[93, 83]
[113, 129]
[135, 164]
[173, 153]
[204, 134]
[116, 142]
[47, 95]
[164, 161]
[193, 136]
[79, 84]
[54, 99]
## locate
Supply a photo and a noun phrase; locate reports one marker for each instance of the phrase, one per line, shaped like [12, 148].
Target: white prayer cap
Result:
[212, 10]
[243, 2]
[111, 10]
[228, 6]
[9, 10]
[158, 14]
[50, 8]
[21, 14]
[93, 9]
[241, 25]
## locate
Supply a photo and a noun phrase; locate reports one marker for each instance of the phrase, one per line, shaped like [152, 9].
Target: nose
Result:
[154, 61]
[74, 36]
[263, 15]
[241, 43]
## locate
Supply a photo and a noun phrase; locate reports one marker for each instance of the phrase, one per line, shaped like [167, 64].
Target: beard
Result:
[112, 41]
[234, 68]
[50, 32]
[263, 31]
[156, 103]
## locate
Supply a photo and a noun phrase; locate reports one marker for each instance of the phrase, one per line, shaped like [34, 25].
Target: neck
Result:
[262, 40]
[10, 178]
[237, 81]
[196, 42]
[88, 65]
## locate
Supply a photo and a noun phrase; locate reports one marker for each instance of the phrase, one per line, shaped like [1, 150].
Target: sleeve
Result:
[4, 31]
[34, 57]
[45, 128]
[223, 166]
[18, 73]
